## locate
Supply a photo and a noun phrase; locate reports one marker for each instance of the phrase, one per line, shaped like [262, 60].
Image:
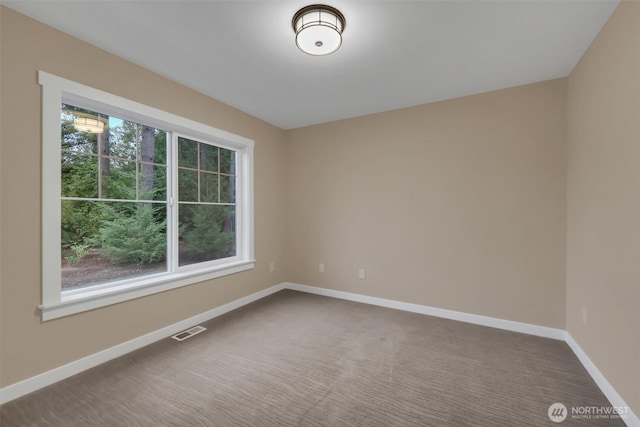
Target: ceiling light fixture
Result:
[318, 29]
[87, 124]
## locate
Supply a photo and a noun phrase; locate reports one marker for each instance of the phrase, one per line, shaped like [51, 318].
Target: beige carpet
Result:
[295, 359]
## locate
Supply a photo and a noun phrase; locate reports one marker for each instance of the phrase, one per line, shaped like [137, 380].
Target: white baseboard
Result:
[616, 400]
[509, 325]
[47, 378]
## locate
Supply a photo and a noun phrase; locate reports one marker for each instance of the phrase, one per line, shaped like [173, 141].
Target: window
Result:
[136, 200]
[206, 202]
[113, 200]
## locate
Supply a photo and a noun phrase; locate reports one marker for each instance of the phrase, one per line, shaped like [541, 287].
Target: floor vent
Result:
[181, 336]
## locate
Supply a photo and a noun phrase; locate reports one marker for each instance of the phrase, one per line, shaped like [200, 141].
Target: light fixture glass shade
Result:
[88, 124]
[318, 29]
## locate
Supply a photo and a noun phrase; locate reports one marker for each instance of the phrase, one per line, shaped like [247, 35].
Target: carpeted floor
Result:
[295, 359]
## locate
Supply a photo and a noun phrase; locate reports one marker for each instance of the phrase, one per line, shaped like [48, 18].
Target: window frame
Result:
[56, 303]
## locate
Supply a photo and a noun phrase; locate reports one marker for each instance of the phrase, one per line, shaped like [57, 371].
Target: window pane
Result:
[78, 142]
[104, 241]
[79, 175]
[152, 182]
[160, 154]
[122, 141]
[207, 232]
[227, 161]
[72, 138]
[208, 157]
[208, 187]
[187, 185]
[81, 221]
[108, 241]
[187, 153]
[227, 189]
[118, 179]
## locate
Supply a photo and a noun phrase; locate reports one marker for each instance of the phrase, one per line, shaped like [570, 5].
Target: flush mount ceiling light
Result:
[318, 29]
[88, 124]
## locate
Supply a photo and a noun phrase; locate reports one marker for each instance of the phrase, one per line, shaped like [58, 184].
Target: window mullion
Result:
[241, 247]
[172, 224]
[218, 173]
[100, 165]
[198, 170]
[137, 161]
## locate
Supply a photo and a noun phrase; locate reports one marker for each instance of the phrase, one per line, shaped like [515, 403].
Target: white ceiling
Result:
[394, 53]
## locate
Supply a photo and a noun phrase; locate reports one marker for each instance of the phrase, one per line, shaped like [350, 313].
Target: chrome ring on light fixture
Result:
[318, 29]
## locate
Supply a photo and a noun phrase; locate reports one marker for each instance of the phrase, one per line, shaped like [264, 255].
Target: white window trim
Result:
[55, 303]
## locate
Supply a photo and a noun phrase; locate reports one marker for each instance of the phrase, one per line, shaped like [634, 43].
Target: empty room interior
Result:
[274, 213]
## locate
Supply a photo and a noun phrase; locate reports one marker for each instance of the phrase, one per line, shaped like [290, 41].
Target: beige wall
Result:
[28, 346]
[603, 236]
[457, 204]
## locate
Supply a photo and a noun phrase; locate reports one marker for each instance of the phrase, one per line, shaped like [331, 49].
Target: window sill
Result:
[92, 299]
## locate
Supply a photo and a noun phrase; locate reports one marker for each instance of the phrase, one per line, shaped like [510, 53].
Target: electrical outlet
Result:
[361, 274]
[321, 268]
[272, 267]
[584, 315]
